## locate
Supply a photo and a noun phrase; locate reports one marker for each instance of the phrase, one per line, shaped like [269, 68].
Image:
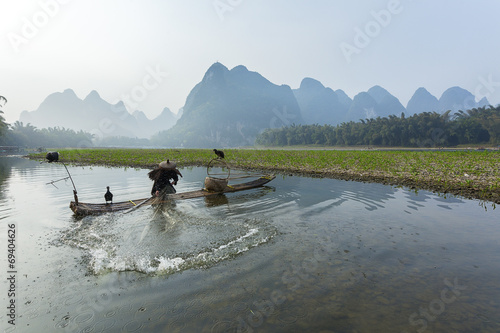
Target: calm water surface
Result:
[302, 254]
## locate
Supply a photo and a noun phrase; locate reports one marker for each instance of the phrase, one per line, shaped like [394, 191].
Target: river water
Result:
[302, 254]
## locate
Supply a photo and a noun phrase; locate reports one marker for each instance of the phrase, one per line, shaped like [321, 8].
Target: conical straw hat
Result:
[167, 165]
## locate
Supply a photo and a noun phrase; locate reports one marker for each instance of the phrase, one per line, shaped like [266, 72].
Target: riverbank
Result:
[471, 174]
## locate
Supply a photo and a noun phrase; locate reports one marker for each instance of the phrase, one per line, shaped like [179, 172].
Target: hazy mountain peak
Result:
[483, 102]
[343, 98]
[311, 84]
[69, 92]
[456, 98]
[318, 104]
[363, 106]
[230, 108]
[422, 101]
[215, 72]
[166, 114]
[93, 95]
[165, 120]
[363, 97]
[378, 93]
[217, 65]
[139, 115]
[422, 91]
[65, 109]
[67, 96]
[455, 91]
[119, 104]
[239, 68]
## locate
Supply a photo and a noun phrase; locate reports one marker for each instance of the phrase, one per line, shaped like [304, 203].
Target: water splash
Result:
[163, 243]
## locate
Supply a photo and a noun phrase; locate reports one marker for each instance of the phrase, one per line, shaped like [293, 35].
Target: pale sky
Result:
[153, 52]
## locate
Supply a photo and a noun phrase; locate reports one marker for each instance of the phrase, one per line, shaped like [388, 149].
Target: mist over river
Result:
[298, 255]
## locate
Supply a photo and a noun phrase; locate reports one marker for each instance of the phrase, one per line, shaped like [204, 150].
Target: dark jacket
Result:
[161, 178]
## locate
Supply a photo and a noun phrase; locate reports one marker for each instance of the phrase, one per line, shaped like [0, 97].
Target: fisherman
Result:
[164, 177]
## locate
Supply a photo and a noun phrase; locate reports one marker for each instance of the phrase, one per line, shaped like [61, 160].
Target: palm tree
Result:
[17, 126]
[3, 125]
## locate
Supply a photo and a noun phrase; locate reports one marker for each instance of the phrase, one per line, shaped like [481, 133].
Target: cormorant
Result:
[52, 156]
[219, 153]
[108, 196]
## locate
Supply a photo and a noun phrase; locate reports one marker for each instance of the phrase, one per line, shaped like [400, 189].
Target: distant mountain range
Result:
[324, 106]
[229, 108]
[95, 115]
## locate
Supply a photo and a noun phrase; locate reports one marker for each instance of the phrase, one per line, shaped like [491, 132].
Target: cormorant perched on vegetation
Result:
[108, 196]
[52, 156]
[219, 153]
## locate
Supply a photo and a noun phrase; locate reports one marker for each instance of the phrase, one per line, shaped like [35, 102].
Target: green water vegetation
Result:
[471, 174]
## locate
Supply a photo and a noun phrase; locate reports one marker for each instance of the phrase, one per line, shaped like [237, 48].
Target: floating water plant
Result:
[468, 173]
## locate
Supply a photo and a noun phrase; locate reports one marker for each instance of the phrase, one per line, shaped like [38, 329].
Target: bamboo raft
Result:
[82, 208]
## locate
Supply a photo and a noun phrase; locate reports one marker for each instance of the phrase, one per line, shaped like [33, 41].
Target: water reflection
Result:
[302, 254]
[370, 196]
[4, 172]
[216, 200]
[8, 164]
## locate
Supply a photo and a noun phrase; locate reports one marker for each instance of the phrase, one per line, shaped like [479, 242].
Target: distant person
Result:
[164, 177]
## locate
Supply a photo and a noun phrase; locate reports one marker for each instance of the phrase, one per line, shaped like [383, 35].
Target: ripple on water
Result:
[5, 209]
[157, 243]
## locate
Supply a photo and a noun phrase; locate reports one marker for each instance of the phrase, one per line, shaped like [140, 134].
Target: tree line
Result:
[19, 134]
[427, 129]
[3, 124]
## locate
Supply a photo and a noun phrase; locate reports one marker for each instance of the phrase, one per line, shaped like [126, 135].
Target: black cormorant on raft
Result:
[108, 196]
[219, 153]
[82, 208]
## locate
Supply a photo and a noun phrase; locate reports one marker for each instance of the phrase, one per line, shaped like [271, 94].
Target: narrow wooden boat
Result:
[82, 208]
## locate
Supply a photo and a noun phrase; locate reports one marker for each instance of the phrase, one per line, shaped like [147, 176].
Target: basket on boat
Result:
[215, 184]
